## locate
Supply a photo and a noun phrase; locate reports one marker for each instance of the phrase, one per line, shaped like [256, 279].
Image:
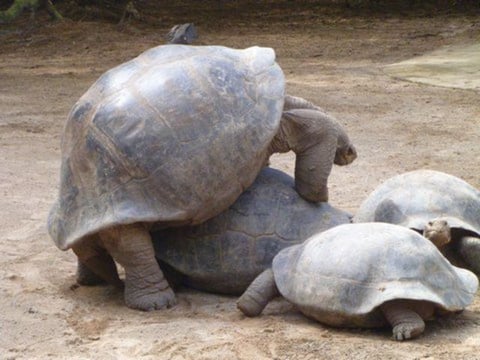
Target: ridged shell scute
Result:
[225, 253]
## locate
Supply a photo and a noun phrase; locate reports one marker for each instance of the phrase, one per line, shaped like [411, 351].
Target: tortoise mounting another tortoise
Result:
[172, 138]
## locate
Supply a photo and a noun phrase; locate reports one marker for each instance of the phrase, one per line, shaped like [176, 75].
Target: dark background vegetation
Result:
[225, 11]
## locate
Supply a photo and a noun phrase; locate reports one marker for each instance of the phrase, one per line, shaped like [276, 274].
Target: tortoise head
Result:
[438, 232]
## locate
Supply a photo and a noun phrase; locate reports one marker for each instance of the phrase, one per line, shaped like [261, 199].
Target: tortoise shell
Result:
[414, 198]
[225, 253]
[340, 277]
[171, 137]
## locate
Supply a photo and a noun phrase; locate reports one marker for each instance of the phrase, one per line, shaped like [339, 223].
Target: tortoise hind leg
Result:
[406, 317]
[95, 266]
[258, 294]
[145, 286]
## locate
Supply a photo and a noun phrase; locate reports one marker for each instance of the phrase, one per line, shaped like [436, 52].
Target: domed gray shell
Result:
[342, 275]
[414, 198]
[173, 136]
[226, 253]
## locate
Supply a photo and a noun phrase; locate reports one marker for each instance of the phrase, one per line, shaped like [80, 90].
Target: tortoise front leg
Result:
[145, 286]
[469, 250]
[313, 136]
[95, 266]
[406, 317]
[258, 294]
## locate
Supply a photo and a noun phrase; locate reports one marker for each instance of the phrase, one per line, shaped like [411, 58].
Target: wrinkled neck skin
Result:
[280, 143]
[298, 132]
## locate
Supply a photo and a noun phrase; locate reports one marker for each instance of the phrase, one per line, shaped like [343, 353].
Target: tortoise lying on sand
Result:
[171, 138]
[443, 207]
[225, 253]
[365, 275]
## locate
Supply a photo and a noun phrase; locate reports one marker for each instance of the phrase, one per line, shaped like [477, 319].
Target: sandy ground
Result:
[333, 60]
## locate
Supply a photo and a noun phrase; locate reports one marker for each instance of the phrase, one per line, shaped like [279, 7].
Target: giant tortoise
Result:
[365, 275]
[171, 138]
[442, 207]
[224, 254]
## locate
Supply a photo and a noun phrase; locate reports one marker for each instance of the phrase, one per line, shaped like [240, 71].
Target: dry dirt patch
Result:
[457, 67]
[334, 61]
